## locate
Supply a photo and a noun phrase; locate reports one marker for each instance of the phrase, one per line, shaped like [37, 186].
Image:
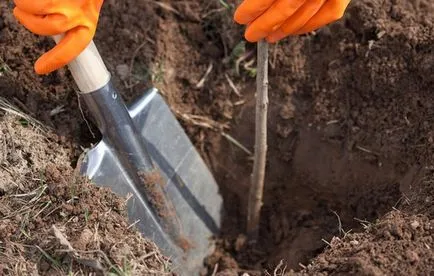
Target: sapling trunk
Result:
[258, 175]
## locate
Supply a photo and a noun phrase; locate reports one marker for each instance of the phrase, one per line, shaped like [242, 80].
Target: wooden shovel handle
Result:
[88, 69]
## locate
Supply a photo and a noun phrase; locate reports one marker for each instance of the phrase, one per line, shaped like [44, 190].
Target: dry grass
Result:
[54, 222]
[22, 137]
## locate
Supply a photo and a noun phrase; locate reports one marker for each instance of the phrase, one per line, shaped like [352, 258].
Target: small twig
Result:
[148, 255]
[202, 81]
[364, 223]
[43, 209]
[258, 175]
[215, 269]
[273, 61]
[37, 192]
[84, 117]
[241, 59]
[236, 143]
[23, 107]
[241, 102]
[51, 259]
[279, 271]
[59, 109]
[61, 238]
[232, 85]
[136, 52]
[76, 253]
[366, 150]
[212, 12]
[341, 230]
[133, 224]
[326, 242]
[165, 6]
[201, 121]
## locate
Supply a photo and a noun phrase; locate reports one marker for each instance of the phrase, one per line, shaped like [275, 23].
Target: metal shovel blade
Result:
[189, 187]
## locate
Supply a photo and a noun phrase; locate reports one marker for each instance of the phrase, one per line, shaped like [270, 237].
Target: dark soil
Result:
[350, 124]
[409, 237]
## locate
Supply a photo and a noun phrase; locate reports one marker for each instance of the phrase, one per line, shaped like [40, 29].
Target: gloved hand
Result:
[77, 19]
[274, 20]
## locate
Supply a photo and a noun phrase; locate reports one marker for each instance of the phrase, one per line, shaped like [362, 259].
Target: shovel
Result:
[145, 155]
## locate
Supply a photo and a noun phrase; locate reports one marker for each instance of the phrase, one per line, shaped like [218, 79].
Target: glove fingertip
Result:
[42, 68]
[250, 38]
[65, 51]
[48, 63]
[253, 34]
[240, 18]
[17, 14]
[276, 36]
[272, 39]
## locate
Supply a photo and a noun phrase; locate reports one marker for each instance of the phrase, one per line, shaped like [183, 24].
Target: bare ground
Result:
[350, 126]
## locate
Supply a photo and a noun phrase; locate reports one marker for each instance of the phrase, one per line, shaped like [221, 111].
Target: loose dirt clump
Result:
[154, 186]
[52, 221]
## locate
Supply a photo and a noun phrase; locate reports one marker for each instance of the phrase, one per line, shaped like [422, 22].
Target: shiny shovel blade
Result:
[189, 186]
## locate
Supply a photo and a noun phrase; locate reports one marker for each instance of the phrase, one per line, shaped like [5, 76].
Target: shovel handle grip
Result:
[88, 69]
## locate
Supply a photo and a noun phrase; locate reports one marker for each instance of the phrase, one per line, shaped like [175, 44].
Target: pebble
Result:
[415, 224]
[123, 71]
[354, 242]
[412, 256]
[240, 242]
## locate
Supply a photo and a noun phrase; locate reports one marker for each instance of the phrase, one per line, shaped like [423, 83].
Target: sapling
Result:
[258, 174]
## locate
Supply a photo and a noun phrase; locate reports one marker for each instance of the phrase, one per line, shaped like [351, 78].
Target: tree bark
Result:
[258, 174]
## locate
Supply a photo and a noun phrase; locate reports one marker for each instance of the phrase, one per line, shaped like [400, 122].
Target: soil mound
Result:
[54, 223]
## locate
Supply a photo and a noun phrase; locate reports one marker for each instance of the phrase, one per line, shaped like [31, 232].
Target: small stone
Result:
[84, 239]
[335, 241]
[412, 256]
[284, 131]
[14, 157]
[321, 260]
[227, 262]
[415, 224]
[123, 71]
[380, 34]
[354, 242]
[287, 112]
[44, 266]
[240, 242]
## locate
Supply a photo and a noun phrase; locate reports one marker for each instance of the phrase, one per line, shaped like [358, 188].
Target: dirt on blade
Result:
[154, 189]
[349, 184]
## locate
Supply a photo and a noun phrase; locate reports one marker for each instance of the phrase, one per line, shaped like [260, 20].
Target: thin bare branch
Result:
[258, 175]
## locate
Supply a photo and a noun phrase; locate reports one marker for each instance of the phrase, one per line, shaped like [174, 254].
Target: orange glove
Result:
[77, 19]
[276, 19]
